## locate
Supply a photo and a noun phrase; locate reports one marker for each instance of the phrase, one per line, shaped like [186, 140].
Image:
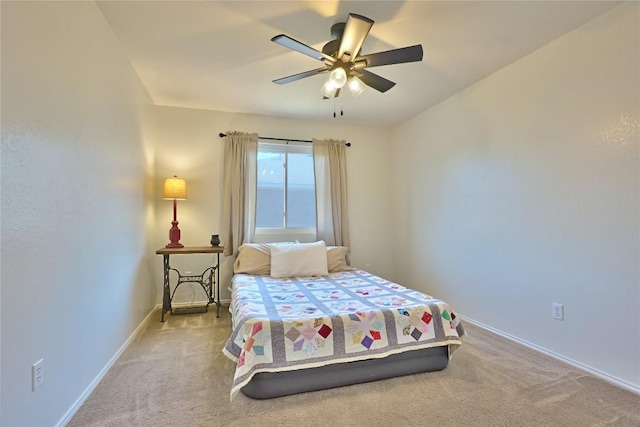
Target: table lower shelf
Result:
[193, 309]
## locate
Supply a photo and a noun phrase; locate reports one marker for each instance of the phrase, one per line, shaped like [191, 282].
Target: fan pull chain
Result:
[341, 107]
[334, 107]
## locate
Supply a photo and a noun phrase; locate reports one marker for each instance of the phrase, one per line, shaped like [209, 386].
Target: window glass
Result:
[286, 188]
[301, 191]
[270, 203]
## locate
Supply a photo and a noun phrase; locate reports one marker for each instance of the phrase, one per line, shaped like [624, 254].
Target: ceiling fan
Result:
[343, 60]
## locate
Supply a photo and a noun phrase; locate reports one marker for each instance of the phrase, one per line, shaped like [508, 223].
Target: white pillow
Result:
[302, 259]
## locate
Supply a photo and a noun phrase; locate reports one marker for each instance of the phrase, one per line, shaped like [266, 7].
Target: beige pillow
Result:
[253, 258]
[302, 259]
[337, 259]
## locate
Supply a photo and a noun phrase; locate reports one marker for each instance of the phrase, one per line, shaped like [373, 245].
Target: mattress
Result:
[301, 334]
[267, 385]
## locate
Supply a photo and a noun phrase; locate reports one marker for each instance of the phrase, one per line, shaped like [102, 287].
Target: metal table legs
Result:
[207, 280]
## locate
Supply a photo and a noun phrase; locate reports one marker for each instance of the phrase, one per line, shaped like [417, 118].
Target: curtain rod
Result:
[222, 135]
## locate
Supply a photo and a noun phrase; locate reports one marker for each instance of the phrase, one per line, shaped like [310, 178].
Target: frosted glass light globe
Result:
[338, 77]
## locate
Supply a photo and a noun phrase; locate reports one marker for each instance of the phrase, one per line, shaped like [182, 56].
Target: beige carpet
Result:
[175, 374]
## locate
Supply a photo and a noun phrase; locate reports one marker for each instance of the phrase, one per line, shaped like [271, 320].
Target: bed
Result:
[296, 333]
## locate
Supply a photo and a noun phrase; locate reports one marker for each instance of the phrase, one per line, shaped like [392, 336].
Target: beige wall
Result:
[522, 190]
[75, 279]
[187, 144]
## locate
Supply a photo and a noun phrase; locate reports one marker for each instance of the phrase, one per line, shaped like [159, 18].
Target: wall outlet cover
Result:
[558, 311]
[37, 375]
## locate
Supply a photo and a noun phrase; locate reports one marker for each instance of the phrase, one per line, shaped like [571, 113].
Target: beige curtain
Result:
[239, 183]
[330, 168]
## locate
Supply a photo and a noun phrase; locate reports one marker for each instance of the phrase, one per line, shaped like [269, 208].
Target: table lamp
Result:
[174, 189]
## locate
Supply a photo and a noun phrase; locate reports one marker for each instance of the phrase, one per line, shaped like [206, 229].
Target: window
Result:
[286, 195]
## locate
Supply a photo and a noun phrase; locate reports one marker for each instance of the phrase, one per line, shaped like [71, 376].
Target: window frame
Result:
[285, 148]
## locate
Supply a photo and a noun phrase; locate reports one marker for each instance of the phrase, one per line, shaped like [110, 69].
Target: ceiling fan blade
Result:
[355, 31]
[375, 81]
[293, 44]
[299, 76]
[393, 56]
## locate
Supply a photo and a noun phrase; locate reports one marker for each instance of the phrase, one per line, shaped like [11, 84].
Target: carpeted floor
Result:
[175, 374]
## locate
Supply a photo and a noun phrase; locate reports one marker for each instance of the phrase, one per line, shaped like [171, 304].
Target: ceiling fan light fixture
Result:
[328, 89]
[356, 86]
[338, 77]
[344, 62]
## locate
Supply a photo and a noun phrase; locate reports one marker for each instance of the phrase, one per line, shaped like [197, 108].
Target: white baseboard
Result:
[83, 397]
[595, 372]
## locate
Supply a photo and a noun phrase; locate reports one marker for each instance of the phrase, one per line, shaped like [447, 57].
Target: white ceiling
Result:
[217, 55]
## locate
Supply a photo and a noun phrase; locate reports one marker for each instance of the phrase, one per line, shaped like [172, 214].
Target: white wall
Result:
[188, 145]
[75, 281]
[522, 190]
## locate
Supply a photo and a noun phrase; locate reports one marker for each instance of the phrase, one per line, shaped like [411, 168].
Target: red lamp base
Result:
[174, 236]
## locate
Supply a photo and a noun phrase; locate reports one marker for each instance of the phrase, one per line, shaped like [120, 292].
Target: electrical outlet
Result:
[558, 311]
[37, 374]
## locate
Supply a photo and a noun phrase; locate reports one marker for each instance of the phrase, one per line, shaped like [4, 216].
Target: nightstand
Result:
[209, 279]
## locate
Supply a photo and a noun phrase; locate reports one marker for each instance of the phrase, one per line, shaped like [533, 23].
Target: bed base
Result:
[267, 385]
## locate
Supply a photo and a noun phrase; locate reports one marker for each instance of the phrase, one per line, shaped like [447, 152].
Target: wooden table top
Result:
[191, 250]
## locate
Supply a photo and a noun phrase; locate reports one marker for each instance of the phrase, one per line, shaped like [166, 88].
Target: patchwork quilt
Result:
[304, 322]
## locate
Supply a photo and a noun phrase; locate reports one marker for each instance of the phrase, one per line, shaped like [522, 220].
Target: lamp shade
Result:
[174, 189]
